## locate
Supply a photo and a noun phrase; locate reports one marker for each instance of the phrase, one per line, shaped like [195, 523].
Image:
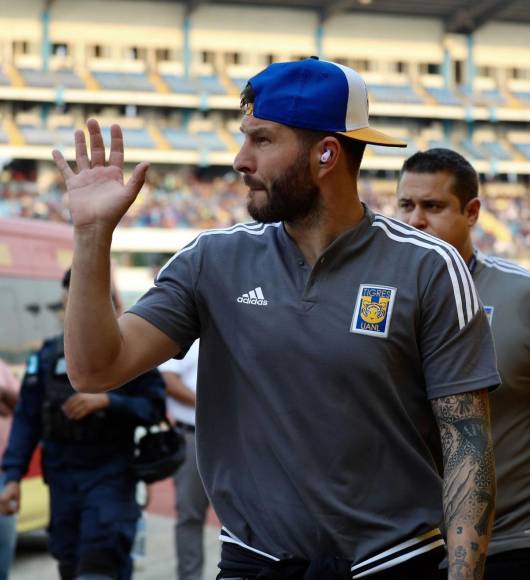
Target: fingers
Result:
[62, 165]
[97, 147]
[81, 155]
[137, 179]
[116, 146]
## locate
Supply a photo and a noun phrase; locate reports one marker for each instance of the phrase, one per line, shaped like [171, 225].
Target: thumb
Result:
[137, 179]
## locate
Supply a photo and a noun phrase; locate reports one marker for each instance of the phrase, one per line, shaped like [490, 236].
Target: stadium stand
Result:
[59, 78]
[171, 77]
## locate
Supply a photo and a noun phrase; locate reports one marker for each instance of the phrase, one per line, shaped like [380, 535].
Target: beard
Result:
[293, 197]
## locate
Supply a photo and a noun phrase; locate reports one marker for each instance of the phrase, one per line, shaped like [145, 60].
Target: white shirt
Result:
[186, 368]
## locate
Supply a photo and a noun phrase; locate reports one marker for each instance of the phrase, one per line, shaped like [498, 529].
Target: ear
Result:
[472, 211]
[326, 153]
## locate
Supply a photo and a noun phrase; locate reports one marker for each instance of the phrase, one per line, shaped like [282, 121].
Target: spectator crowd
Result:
[185, 199]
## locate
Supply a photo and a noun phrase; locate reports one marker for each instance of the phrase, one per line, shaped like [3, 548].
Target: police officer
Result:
[88, 443]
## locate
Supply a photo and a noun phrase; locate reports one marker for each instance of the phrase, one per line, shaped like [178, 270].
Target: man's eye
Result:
[405, 206]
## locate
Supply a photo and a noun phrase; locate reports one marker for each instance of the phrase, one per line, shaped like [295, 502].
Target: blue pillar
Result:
[186, 49]
[446, 68]
[319, 37]
[46, 48]
[470, 68]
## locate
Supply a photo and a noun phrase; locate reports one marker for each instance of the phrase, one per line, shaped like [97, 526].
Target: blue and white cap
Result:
[319, 95]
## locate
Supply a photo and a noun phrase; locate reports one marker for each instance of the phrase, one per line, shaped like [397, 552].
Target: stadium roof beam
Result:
[472, 17]
[335, 7]
[192, 5]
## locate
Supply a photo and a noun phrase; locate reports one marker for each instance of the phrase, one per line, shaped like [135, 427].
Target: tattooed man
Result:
[437, 194]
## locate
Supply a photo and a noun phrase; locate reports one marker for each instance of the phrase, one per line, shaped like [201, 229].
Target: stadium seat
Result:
[522, 95]
[210, 140]
[180, 139]
[524, 148]
[180, 84]
[211, 84]
[137, 138]
[495, 150]
[116, 81]
[39, 78]
[4, 80]
[472, 149]
[394, 94]
[443, 96]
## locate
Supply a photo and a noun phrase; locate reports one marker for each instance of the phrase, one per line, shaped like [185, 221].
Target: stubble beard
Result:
[293, 197]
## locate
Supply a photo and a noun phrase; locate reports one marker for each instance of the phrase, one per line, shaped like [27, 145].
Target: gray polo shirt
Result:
[504, 289]
[314, 427]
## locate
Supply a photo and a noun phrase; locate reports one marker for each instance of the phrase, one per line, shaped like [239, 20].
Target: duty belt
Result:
[331, 568]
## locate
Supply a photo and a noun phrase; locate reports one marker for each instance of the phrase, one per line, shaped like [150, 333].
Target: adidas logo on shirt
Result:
[253, 297]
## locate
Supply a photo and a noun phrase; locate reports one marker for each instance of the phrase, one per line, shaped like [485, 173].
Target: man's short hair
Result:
[353, 149]
[440, 160]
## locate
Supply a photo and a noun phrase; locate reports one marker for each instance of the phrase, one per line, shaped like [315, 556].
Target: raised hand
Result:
[97, 195]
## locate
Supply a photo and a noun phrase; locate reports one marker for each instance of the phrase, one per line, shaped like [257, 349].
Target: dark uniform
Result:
[86, 463]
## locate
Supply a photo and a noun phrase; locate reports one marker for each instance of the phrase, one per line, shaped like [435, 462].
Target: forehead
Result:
[251, 124]
[420, 185]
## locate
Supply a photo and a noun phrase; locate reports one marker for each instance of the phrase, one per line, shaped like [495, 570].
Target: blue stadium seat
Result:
[47, 79]
[493, 96]
[524, 96]
[3, 79]
[114, 81]
[472, 149]
[240, 83]
[180, 84]
[133, 138]
[210, 140]
[36, 135]
[394, 94]
[211, 84]
[64, 135]
[495, 150]
[180, 139]
[443, 96]
[524, 148]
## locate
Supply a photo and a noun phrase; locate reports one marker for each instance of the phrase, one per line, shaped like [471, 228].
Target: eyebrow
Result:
[253, 130]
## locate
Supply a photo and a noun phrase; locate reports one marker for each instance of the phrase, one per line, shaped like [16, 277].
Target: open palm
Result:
[97, 195]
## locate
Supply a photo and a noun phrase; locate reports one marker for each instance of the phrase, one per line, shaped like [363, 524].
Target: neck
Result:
[315, 233]
[467, 250]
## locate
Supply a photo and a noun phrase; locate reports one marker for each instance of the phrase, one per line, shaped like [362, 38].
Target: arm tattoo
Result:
[469, 478]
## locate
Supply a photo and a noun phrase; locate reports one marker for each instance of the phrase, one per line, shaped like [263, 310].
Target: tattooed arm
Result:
[469, 480]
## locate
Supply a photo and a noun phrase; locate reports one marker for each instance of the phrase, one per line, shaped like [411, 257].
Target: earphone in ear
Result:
[325, 156]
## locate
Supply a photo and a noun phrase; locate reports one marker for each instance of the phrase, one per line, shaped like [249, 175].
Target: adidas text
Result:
[254, 297]
[256, 301]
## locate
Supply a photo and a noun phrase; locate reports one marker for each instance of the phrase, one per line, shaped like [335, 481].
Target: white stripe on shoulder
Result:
[470, 293]
[253, 229]
[443, 254]
[504, 266]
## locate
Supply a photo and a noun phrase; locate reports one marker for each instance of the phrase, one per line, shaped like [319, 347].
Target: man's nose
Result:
[243, 161]
[416, 218]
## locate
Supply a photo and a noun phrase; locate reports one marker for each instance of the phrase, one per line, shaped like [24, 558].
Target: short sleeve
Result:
[170, 304]
[456, 344]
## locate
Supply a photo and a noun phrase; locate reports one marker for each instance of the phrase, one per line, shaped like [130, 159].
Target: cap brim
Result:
[373, 137]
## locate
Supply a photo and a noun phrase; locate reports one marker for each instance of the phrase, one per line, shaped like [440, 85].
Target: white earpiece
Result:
[325, 156]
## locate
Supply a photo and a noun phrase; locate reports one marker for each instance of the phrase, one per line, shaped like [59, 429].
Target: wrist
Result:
[90, 234]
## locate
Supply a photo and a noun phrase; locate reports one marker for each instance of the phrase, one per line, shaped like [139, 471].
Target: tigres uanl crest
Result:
[373, 310]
